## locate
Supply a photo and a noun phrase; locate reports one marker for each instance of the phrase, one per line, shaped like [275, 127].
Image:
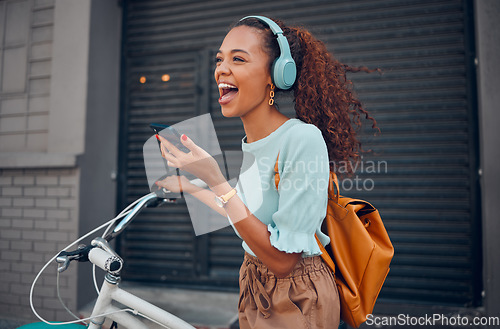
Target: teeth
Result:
[223, 85]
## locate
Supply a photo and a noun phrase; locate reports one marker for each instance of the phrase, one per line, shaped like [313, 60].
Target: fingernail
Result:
[184, 137]
[157, 137]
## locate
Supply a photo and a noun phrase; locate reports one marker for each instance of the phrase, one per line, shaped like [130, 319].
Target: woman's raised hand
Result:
[197, 162]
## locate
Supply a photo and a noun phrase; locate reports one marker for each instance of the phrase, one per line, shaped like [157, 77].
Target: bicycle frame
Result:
[110, 291]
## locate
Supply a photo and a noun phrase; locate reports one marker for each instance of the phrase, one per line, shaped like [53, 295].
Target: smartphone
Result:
[173, 137]
[170, 134]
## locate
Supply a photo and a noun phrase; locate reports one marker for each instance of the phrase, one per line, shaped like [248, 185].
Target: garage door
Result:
[421, 171]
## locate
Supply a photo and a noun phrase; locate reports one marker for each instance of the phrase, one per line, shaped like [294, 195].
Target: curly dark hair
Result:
[323, 95]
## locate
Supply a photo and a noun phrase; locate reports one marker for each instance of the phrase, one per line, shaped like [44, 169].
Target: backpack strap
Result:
[333, 181]
[333, 186]
[276, 173]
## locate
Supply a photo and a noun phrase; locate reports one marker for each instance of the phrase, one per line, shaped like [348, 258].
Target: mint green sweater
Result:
[294, 213]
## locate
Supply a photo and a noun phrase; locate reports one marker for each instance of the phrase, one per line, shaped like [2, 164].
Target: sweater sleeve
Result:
[303, 191]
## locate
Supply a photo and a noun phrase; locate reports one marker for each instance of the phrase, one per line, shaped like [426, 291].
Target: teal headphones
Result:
[283, 71]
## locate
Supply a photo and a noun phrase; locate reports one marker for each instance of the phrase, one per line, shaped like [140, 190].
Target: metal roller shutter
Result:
[421, 171]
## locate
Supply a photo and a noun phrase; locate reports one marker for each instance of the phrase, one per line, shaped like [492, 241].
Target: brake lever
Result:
[163, 195]
[63, 262]
[65, 257]
[160, 201]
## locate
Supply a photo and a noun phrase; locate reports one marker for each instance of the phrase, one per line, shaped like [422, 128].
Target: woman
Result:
[283, 282]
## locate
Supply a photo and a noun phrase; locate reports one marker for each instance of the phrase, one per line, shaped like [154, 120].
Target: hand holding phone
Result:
[197, 163]
[170, 134]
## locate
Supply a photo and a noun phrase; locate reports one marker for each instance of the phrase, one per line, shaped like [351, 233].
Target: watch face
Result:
[219, 202]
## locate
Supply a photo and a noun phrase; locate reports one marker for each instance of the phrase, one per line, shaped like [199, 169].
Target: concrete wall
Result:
[99, 161]
[488, 55]
[55, 169]
[26, 29]
[39, 190]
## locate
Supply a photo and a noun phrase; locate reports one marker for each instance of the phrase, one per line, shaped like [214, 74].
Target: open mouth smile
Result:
[227, 92]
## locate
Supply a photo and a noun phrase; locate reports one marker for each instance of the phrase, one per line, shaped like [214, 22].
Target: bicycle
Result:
[100, 254]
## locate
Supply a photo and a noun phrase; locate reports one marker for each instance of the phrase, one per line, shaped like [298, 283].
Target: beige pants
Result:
[306, 299]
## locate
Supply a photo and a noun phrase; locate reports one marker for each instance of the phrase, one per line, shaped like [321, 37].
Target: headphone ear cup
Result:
[284, 72]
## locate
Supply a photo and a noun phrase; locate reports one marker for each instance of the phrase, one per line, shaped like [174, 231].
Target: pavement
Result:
[11, 323]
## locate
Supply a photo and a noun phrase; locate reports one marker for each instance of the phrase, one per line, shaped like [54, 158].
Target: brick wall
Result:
[38, 217]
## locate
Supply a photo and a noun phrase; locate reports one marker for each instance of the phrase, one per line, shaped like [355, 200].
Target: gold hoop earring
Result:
[271, 94]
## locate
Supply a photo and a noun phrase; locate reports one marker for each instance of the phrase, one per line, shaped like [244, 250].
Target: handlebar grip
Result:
[106, 261]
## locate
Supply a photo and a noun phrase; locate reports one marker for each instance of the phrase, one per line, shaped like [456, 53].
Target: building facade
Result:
[54, 75]
[82, 79]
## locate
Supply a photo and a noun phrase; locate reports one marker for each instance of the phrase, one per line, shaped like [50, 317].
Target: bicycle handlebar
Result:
[151, 199]
[146, 200]
[106, 261]
[82, 254]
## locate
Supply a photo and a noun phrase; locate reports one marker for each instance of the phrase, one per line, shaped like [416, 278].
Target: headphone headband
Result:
[283, 71]
[275, 28]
